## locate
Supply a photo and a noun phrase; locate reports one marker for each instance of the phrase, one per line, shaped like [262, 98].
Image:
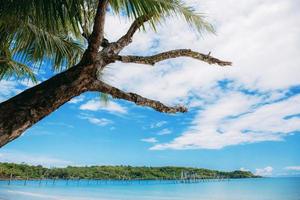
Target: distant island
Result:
[24, 171]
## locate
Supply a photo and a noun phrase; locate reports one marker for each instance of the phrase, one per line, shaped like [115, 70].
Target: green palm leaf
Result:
[161, 9]
[9, 67]
[36, 44]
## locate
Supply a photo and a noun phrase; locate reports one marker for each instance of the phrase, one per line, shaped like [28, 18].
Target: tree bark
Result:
[25, 109]
[96, 38]
[135, 98]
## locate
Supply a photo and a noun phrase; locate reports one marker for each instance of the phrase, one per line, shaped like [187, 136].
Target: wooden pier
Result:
[186, 177]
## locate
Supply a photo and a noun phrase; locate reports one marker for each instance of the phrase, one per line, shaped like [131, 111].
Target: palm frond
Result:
[10, 67]
[160, 9]
[104, 98]
[40, 29]
[51, 15]
[35, 44]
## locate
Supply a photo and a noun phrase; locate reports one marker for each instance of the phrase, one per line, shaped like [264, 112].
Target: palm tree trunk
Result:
[22, 111]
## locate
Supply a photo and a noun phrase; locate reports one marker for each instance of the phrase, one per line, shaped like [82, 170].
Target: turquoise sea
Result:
[238, 189]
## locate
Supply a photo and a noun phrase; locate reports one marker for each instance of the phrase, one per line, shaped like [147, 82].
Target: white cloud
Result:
[267, 171]
[28, 83]
[262, 60]
[95, 120]
[164, 131]
[158, 124]
[149, 140]
[293, 168]
[244, 169]
[60, 124]
[77, 99]
[33, 159]
[8, 89]
[237, 118]
[96, 105]
[11, 87]
[99, 122]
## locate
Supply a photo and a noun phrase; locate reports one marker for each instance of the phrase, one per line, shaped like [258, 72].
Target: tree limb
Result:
[126, 39]
[151, 60]
[96, 37]
[135, 98]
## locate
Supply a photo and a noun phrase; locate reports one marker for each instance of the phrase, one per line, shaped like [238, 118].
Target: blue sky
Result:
[244, 117]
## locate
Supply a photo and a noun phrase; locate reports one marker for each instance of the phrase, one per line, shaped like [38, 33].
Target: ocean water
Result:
[238, 189]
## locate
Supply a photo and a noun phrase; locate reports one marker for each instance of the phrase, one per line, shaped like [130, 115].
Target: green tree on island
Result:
[23, 171]
[71, 34]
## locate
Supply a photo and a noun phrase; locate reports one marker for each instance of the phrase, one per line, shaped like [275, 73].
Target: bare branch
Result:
[137, 99]
[126, 39]
[151, 60]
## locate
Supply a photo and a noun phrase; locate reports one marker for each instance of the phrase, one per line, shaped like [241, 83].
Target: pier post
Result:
[10, 178]
[25, 181]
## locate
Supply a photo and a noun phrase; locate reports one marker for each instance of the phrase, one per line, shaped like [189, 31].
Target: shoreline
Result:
[128, 180]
